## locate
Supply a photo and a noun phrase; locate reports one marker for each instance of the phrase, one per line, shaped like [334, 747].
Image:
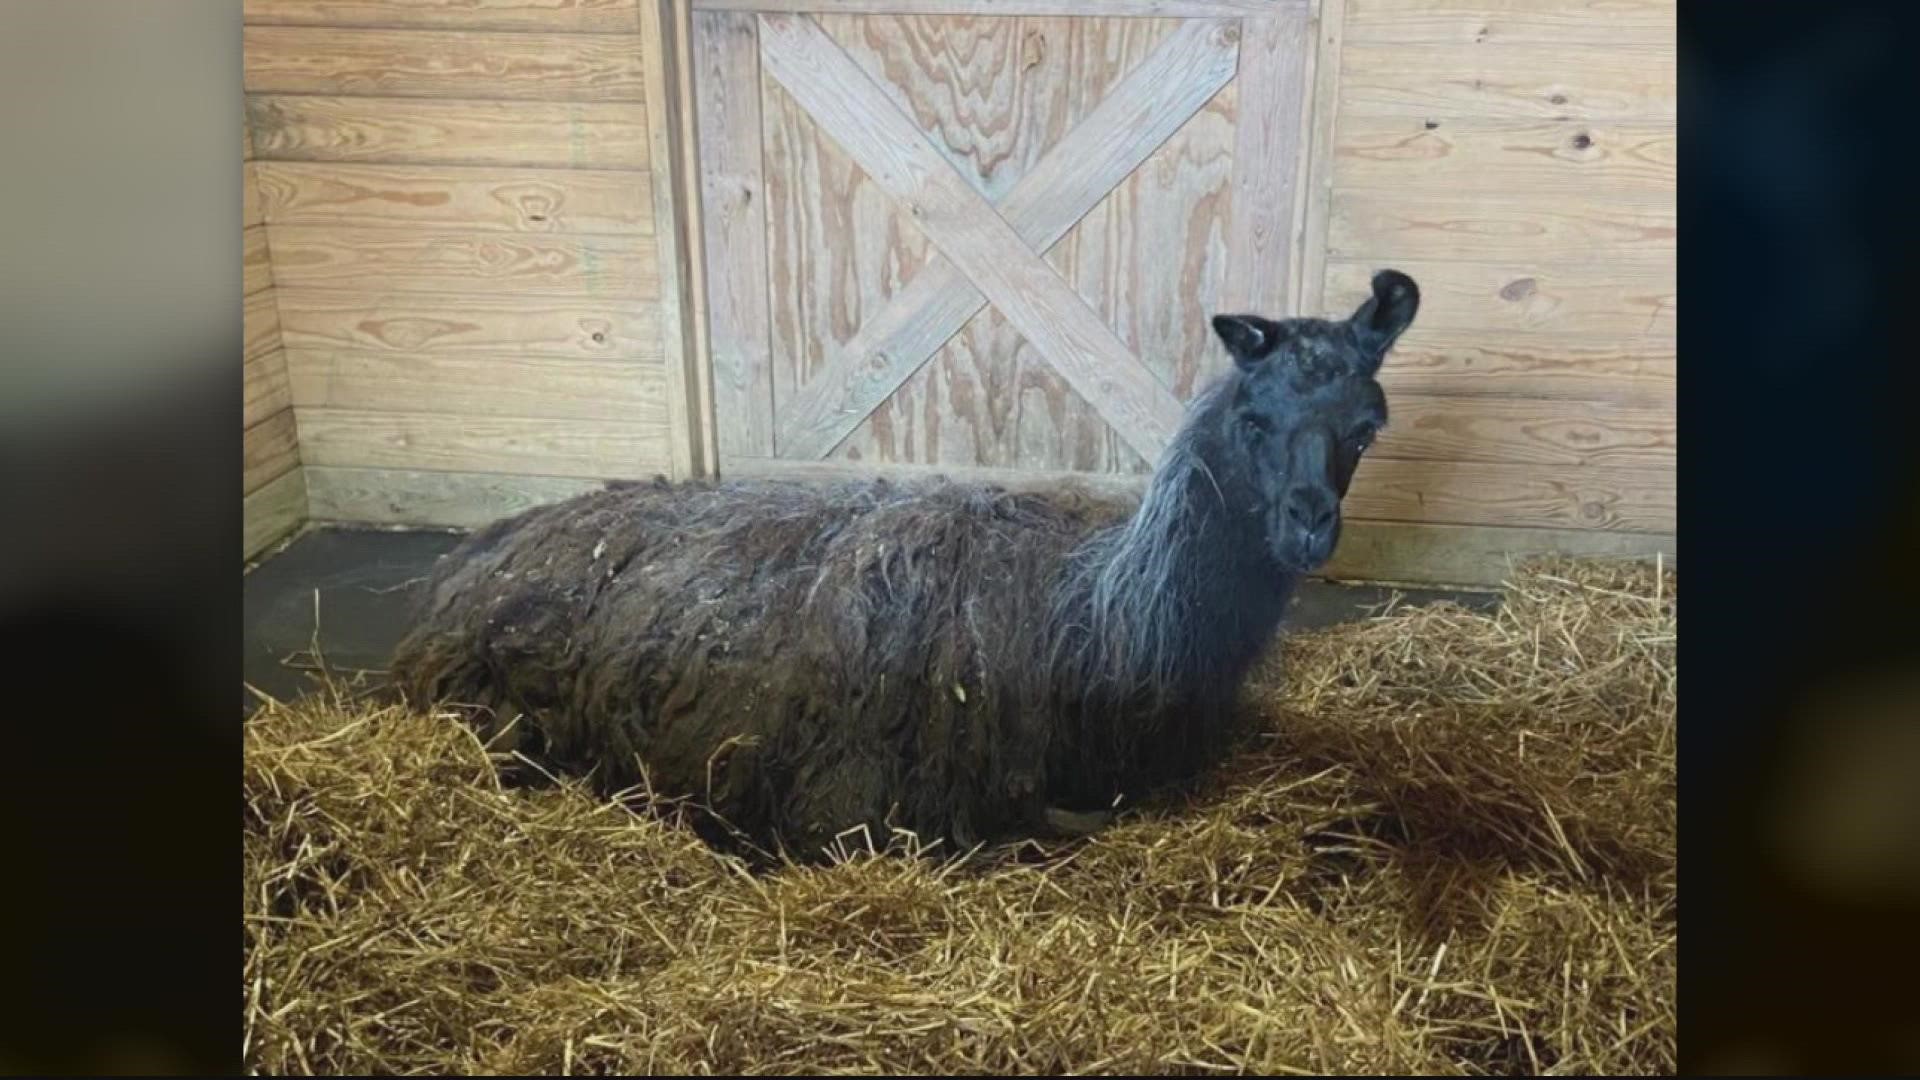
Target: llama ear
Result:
[1249, 338]
[1379, 322]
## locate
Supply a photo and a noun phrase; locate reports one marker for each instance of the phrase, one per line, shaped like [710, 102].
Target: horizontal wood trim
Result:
[273, 512]
[505, 385]
[583, 448]
[260, 324]
[1527, 81]
[426, 323]
[1553, 158]
[558, 16]
[1615, 23]
[1107, 484]
[1523, 226]
[1527, 366]
[461, 197]
[1090, 8]
[1627, 300]
[1536, 496]
[462, 500]
[266, 390]
[1427, 428]
[433, 63]
[620, 268]
[1473, 556]
[421, 131]
[256, 267]
[268, 449]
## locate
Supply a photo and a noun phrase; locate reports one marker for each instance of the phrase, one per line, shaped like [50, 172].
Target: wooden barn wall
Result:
[467, 227]
[273, 486]
[1517, 157]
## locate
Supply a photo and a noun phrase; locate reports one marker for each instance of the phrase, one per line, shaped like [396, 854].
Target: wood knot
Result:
[1431, 124]
[1519, 289]
[1582, 141]
[1558, 99]
[599, 337]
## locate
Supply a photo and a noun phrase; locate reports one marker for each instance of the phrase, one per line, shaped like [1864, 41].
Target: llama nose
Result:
[1311, 518]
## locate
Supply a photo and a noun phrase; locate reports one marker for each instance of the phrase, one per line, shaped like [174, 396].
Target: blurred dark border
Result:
[1801, 859]
[119, 585]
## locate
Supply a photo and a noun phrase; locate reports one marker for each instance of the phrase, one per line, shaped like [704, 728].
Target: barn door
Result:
[987, 242]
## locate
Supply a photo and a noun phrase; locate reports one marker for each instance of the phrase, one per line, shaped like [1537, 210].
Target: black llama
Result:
[960, 661]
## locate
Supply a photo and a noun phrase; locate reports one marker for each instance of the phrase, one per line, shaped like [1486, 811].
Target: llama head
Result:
[1303, 409]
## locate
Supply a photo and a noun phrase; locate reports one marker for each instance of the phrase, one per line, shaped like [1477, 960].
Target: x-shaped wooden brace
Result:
[991, 253]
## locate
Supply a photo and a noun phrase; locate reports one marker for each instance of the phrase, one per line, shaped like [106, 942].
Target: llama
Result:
[960, 661]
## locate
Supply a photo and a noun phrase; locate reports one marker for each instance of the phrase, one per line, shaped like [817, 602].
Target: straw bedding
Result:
[1450, 851]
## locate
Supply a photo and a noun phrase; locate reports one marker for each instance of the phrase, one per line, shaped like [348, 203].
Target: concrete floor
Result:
[365, 579]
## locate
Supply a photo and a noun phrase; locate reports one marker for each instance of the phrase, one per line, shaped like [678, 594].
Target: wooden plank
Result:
[413, 497]
[421, 131]
[957, 219]
[268, 449]
[433, 63]
[1434, 428]
[266, 390]
[1624, 299]
[528, 445]
[1512, 226]
[1568, 158]
[733, 207]
[675, 200]
[1268, 162]
[256, 268]
[1328, 30]
[561, 16]
[1617, 23]
[273, 512]
[246, 141]
[1539, 496]
[459, 197]
[1157, 9]
[704, 447]
[506, 385]
[1474, 556]
[1524, 366]
[1082, 168]
[1520, 81]
[421, 323]
[260, 331]
[251, 211]
[620, 268]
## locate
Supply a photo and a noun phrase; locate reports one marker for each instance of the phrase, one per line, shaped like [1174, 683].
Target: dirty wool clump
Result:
[1450, 850]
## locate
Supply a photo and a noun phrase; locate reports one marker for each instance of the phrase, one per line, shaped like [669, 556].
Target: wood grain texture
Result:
[273, 512]
[459, 500]
[1479, 556]
[675, 200]
[1528, 366]
[619, 268]
[251, 212]
[1329, 30]
[565, 16]
[955, 217]
[260, 324]
[1269, 163]
[1519, 81]
[256, 266]
[266, 390]
[1103, 8]
[1516, 226]
[1433, 428]
[1616, 23]
[422, 131]
[1537, 496]
[506, 385]
[1080, 170]
[543, 447]
[1620, 300]
[458, 197]
[451, 323]
[268, 449]
[704, 450]
[734, 220]
[1554, 158]
[447, 64]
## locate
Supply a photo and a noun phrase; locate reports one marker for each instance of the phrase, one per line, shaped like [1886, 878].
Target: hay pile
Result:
[1454, 852]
